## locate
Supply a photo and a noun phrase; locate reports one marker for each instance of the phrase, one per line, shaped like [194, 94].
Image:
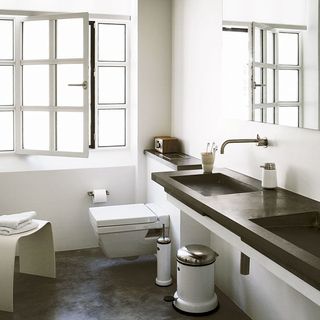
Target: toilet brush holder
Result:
[163, 261]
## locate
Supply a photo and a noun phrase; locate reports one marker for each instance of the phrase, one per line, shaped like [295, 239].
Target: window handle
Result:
[255, 85]
[84, 85]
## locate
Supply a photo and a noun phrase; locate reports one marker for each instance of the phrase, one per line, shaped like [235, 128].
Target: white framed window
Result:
[52, 100]
[276, 74]
[109, 115]
[65, 84]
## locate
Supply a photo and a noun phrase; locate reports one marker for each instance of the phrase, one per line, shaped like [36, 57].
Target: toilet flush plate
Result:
[121, 215]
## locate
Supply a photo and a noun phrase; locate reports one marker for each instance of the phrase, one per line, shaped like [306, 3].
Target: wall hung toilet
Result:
[128, 230]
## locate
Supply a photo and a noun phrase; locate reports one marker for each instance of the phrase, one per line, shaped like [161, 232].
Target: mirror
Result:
[270, 69]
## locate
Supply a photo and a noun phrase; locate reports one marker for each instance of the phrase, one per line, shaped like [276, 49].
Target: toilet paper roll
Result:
[99, 195]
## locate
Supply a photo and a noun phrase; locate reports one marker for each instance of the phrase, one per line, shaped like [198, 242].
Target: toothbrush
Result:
[213, 147]
[208, 145]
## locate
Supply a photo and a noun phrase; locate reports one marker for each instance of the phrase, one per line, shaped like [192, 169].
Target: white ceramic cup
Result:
[207, 159]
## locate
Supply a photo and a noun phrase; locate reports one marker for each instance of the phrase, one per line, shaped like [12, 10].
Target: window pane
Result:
[6, 85]
[257, 45]
[70, 131]
[257, 115]
[112, 125]
[288, 85]
[36, 130]
[258, 81]
[270, 47]
[111, 86]
[36, 49]
[35, 85]
[6, 130]
[69, 38]
[6, 36]
[270, 85]
[288, 48]
[270, 115]
[112, 42]
[289, 116]
[69, 96]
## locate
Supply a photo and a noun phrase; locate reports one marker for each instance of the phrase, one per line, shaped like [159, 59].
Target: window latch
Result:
[84, 85]
[255, 85]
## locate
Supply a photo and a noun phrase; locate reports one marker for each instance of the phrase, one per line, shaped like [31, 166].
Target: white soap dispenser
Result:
[269, 176]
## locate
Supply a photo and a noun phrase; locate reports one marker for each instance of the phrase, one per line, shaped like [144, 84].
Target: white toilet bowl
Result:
[128, 230]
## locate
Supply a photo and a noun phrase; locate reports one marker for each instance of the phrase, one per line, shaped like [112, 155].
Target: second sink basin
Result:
[214, 184]
[301, 229]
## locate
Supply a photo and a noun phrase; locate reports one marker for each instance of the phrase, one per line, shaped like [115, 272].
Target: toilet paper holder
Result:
[90, 193]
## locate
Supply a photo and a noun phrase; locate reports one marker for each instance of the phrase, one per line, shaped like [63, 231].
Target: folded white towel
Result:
[17, 220]
[9, 231]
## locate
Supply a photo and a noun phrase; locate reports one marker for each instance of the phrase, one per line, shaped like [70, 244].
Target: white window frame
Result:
[18, 17]
[275, 29]
[53, 109]
[13, 64]
[126, 64]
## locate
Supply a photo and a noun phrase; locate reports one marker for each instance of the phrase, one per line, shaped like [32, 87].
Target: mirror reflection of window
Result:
[264, 73]
[277, 76]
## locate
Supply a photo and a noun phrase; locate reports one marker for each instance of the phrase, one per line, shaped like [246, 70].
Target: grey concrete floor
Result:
[90, 287]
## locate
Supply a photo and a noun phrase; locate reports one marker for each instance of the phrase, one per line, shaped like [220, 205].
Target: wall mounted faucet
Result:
[260, 142]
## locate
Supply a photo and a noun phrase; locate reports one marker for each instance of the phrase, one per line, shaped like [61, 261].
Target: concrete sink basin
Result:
[214, 184]
[301, 229]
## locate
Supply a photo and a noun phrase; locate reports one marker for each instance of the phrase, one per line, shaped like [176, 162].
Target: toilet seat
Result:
[124, 218]
[122, 215]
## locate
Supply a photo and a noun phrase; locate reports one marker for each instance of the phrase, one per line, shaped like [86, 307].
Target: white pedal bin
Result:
[195, 280]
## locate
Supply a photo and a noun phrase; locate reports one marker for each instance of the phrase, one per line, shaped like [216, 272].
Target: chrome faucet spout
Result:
[260, 142]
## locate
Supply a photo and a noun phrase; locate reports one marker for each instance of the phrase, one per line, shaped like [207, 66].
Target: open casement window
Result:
[276, 74]
[52, 99]
[112, 83]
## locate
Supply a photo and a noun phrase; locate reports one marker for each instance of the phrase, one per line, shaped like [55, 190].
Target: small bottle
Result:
[269, 176]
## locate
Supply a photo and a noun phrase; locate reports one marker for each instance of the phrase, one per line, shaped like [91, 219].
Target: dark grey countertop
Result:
[234, 211]
[185, 162]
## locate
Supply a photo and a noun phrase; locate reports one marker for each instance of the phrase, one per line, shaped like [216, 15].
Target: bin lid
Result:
[196, 255]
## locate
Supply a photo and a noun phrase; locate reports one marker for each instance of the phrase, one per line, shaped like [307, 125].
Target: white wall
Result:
[154, 80]
[61, 197]
[196, 120]
[273, 11]
[311, 67]
[93, 6]
[196, 54]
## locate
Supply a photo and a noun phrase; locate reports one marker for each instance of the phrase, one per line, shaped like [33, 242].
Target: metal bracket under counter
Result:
[235, 241]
